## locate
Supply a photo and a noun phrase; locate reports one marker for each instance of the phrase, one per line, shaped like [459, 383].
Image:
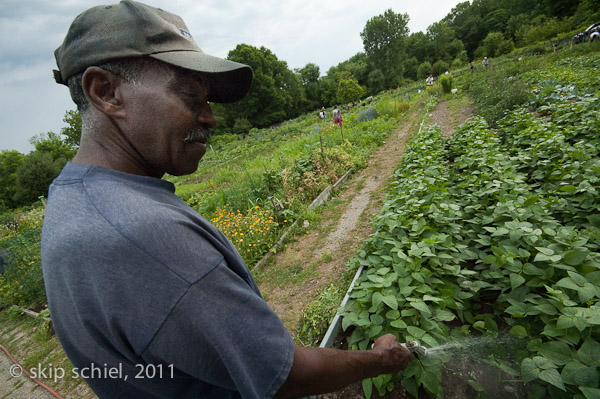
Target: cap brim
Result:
[229, 81]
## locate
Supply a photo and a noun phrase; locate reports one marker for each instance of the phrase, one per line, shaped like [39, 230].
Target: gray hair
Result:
[127, 69]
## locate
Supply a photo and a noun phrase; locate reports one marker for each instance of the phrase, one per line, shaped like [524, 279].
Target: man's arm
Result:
[320, 370]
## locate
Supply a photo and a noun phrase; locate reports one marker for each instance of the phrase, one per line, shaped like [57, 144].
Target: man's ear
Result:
[102, 90]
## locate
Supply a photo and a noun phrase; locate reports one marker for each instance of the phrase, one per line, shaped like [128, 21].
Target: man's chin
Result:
[183, 170]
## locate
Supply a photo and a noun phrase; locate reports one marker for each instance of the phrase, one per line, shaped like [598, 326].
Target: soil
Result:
[326, 250]
[446, 120]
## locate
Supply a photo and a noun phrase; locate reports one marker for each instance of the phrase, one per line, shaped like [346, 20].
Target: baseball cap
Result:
[132, 29]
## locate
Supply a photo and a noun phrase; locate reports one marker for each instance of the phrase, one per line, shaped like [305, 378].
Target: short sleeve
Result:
[223, 333]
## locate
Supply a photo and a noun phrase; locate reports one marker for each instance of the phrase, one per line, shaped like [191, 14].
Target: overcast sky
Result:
[296, 31]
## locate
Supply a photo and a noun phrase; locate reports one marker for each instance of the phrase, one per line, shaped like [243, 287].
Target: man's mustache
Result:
[201, 135]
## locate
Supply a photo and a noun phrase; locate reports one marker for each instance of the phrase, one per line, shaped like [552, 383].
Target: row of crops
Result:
[495, 232]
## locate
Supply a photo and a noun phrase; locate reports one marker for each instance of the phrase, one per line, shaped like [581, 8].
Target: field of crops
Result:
[496, 232]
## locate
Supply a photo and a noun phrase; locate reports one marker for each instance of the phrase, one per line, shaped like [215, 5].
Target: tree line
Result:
[392, 57]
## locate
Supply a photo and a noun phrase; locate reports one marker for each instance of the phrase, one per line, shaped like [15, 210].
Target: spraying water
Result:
[483, 367]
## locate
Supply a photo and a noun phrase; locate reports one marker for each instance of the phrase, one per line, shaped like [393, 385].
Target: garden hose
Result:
[41, 384]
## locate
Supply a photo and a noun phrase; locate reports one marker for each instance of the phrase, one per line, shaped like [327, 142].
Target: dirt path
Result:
[324, 252]
[447, 120]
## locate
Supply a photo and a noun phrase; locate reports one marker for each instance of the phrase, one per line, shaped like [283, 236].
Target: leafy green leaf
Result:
[529, 370]
[391, 301]
[551, 376]
[519, 331]
[589, 353]
[575, 258]
[415, 331]
[567, 282]
[431, 381]
[556, 351]
[565, 322]
[444, 315]
[576, 373]
[590, 393]
[377, 298]
[545, 251]
[367, 386]
[516, 280]
[398, 324]
[421, 307]
[547, 309]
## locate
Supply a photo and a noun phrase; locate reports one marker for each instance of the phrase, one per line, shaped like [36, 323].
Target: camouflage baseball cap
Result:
[132, 29]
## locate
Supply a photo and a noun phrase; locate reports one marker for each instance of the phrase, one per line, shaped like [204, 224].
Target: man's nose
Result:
[206, 117]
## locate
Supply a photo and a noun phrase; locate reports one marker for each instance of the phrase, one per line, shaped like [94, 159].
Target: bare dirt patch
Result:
[447, 120]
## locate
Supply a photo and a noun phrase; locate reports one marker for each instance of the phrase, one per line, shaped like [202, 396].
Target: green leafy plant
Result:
[492, 232]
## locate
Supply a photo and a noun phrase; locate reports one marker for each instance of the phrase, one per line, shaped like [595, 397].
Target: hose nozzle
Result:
[415, 348]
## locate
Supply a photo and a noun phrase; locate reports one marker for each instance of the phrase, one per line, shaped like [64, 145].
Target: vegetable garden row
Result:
[495, 232]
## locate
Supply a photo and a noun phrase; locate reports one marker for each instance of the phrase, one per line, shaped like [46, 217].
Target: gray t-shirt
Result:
[139, 285]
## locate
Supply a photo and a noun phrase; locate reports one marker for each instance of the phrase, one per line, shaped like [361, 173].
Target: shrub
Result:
[446, 82]
[495, 94]
[439, 67]
[34, 176]
[22, 283]
[241, 126]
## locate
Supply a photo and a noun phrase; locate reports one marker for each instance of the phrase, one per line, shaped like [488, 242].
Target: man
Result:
[148, 299]
[337, 115]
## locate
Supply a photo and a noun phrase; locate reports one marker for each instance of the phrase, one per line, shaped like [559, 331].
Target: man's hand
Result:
[320, 370]
[394, 356]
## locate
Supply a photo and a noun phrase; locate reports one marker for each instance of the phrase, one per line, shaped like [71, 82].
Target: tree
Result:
[10, 160]
[383, 40]
[419, 46]
[349, 90]
[53, 144]
[329, 84]
[34, 176]
[494, 45]
[241, 126]
[424, 70]
[309, 75]
[73, 130]
[444, 44]
[276, 93]
[376, 81]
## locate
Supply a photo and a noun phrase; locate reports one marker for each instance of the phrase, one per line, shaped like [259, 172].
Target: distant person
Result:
[337, 115]
[485, 62]
[322, 113]
[137, 281]
[429, 81]
[446, 73]
[472, 66]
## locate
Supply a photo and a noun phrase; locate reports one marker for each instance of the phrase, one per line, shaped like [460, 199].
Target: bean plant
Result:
[493, 232]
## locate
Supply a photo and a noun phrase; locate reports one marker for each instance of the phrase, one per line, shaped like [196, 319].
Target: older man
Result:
[148, 299]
